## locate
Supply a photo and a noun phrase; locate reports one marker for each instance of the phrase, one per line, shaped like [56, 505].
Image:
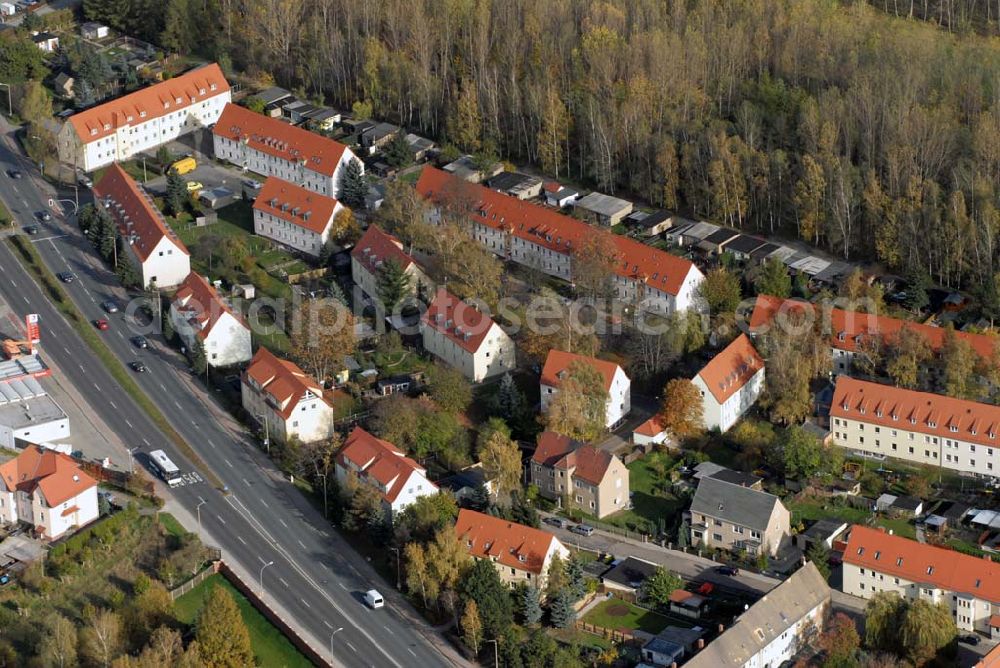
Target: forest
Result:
[850, 125]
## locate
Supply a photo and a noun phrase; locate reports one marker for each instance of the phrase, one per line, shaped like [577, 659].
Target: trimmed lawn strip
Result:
[270, 646]
[652, 503]
[620, 615]
[170, 523]
[32, 261]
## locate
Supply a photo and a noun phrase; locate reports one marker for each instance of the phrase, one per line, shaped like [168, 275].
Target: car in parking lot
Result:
[66, 276]
[44, 215]
[557, 522]
[969, 639]
[85, 182]
[138, 366]
[14, 174]
[109, 306]
[583, 529]
[101, 324]
[140, 342]
[30, 229]
[195, 186]
[727, 570]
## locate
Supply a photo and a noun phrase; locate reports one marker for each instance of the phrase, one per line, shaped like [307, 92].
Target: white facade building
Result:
[141, 121]
[270, 147]
[370, 253]
[287, 401]
[293, 216]
[199, 313]
[730, 384]
[616, 383]
[465, 338]
[47, 490]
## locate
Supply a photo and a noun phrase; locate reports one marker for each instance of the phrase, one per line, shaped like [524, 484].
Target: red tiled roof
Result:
[468, 327]
[542, 226]
[651, 427]
[380, 461]
[922, 412]
[376, 246]
[127, 200]
[57, 476]
[561, 452]
[923, 563]
[680, 595]
[202, 303]
[279, 139]
[157, 100]
[513, 545]
[732, 368]
[559, 361]
[848, 328]
[296, 205]
[282, 380]
[992, 658]
[995, 621]
[552, 186]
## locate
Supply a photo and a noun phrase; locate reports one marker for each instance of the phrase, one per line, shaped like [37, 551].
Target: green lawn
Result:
[235, 219]
[652, 501]
[170, 523]
[620, 615]
[270, 647]
[809, 511]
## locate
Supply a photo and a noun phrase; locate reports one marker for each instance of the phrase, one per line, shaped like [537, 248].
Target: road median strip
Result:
[32, 261]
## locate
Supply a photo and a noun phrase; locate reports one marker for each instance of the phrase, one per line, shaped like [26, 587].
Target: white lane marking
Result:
[163, 388]
[13, 283]
[303, 601]
[97, 387]
[146, 442]
[282, 522]
[411, 651]
[261, 559]
[388, 630]
[209, 441]
[353, 649]
[178, 406]
[228, 463]
[67, 350]
[327, 624]
[109, 401]
[129, 424]
[264, 503]
[81, 368]
[341, 585]
[219, 517]
[246, 482]
[283, 583]
[302, 545]
[240, 538]
[25, 299]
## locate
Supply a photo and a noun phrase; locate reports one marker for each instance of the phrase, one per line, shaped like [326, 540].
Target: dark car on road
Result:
[969, 639]
[583, 529]
[14, 174]
[140, 342]
[138, 367]
[44, 216]
[66, 276]
[727, 570]
[31, 229]
[109, 306]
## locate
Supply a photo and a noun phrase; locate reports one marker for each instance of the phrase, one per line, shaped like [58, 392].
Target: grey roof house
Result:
[515, 184]
[672, 644]
[628, 575]
[732, 517]
[605, 209]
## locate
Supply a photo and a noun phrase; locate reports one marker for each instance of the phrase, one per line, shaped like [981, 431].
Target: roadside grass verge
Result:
[172, 526]
[32, 261]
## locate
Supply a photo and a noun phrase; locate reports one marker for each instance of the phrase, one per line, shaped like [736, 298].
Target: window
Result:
[717, 536]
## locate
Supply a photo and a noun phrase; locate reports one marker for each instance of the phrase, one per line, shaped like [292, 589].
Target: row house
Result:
[293, 216]
[199, 314]
[158, 254]
[734, 517]
[877, 561]
[538, 237]
[381, 465]
[464, 337]
[369, 255]
[919, 427]
[730, 384]
[520, 554]
[141, 121]
[270, 147]
[852, 333]
[615, 382]
[588, 478]
[289, 402]
[47, 490]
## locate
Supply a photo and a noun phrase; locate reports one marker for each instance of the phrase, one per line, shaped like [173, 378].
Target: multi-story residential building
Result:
[381, 465]
[117, 130]
[519, 553]
[160, 257]
[734, 517]
[775, 628]
[377, 247]
[590, 479]
[270, 147]
[616, 383]
[198, 313]
[876, 561]
[47, 490]
[730, 384]
[285, 399]
[466, 338]
[852, 333]
[543, 239]
[293, 216]
[919, 427]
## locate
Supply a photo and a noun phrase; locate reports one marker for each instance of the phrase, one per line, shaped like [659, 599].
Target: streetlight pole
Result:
[396, 550]
[267, 432]
[198, 509]
[131, 462]
[496, 653]
[270, 563]
[335, 632]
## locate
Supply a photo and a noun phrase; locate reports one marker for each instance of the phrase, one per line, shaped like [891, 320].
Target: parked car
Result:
[14, 174]
[557, 522]
[374, 599]
[583, 529]
[140, 342]
[969, 639]
[138, 367]
[66, 276]
[31, 229]
[101, 324]
[109, 306]
[195, 186]
[44, 216]
[727, 570]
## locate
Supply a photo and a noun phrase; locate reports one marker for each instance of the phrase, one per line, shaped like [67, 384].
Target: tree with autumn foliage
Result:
[579, 408]
[322, 336]
[682, 412]
[592, 266]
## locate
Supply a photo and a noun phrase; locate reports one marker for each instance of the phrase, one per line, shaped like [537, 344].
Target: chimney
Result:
[701, 641]
[722, 628]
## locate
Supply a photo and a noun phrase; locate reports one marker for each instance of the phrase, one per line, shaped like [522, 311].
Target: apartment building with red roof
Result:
[379, 464]
[920, 427]
[140, 121]
[294, 216]
[850, 331]
[155, 250]
[519, 553]
[271, 147]
[586, 477]
[730, 384]
[287, 401]
[373, 250]
[876, 561]
[199, 314]
[616, 383]
[546, 240]
[47, 490]
[464, 337]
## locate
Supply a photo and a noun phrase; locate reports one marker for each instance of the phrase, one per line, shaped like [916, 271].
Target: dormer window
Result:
[930, 570]
[201, 91]
[953, 428]
[895, 417]
[932, 425]
[878, 413]
[142, 114]
[899, 561]
[913, 420]
[878, 553]
[212, 86]
[177, 100]
[166, 105]
[861, 551]
[93, 131]
[107, 126]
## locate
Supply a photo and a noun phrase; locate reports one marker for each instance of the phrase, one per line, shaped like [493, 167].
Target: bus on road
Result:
[165, 468]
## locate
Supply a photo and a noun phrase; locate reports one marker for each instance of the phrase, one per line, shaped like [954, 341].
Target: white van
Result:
[374, 599]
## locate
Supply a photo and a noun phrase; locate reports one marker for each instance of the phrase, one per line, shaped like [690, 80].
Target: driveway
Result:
[621, 437]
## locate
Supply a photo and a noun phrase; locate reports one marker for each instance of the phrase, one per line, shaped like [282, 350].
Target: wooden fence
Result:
[206, 572]
[610, 634]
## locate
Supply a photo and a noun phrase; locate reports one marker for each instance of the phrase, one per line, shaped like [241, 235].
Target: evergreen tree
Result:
[918, 282]
[177, 194]
[199, 362]
[353, 187]
[531, 606]
[221, 633]
[397, 153]
[325, 253]
[508, 402]
[480, 498]
[83, 93]
[683, 537]
[819, 555]
[168, 325]
[561, 611]
[483, 585]
[107, 239]
[577, 583]
[126, 271]
[392, 283]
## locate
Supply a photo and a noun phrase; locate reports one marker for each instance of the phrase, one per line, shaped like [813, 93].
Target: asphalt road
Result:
[316, 577]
